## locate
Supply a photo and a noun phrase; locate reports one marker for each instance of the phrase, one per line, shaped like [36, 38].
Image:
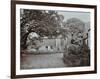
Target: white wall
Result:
[5, 39]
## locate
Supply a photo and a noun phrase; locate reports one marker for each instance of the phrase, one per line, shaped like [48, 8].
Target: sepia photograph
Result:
[53, 39]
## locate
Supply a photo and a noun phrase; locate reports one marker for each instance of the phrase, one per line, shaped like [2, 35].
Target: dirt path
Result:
[43, 61]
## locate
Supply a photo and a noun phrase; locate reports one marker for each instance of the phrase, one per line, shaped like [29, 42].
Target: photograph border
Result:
[13, 38]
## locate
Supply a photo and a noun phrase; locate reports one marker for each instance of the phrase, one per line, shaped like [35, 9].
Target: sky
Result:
[83, 16]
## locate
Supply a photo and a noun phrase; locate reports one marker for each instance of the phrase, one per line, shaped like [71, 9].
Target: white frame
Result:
[51, 70]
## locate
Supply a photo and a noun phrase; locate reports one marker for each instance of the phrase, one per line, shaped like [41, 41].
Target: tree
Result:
[43, 22]
[76, 29]
[77, 52]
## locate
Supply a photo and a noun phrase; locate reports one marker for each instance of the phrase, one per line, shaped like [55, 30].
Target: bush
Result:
[76, 55]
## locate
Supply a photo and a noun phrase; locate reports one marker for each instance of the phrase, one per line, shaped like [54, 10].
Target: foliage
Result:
[42, 22]
[77, 52]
